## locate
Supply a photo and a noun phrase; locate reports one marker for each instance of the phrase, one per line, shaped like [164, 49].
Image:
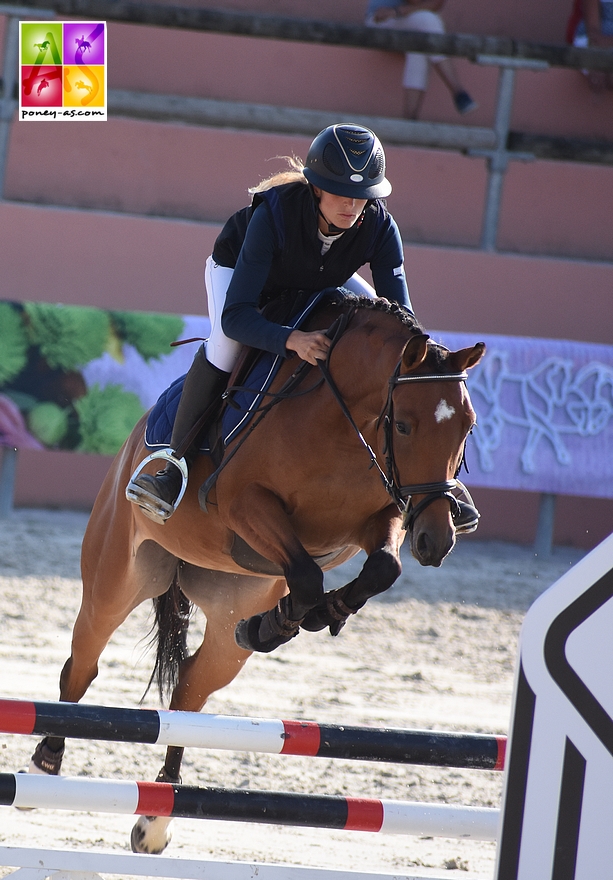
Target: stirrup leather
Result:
[152, 506]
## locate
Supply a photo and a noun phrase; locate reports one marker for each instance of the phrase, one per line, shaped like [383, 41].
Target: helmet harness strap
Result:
[332, 228]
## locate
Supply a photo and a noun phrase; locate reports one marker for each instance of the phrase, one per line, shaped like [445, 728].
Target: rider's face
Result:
[338, 210]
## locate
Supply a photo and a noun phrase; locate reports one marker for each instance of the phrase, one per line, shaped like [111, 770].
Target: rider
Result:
[307, 228]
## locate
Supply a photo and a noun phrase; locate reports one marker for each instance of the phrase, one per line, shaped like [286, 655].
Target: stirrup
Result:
[471, 514]
[152, 506]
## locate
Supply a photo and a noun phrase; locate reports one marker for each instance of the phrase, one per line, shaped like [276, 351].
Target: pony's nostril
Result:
[423, 546]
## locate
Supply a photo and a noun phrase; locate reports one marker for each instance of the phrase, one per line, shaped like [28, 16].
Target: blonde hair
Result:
[293, 174]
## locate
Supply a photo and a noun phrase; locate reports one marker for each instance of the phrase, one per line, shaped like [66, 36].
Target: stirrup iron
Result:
[152, 506]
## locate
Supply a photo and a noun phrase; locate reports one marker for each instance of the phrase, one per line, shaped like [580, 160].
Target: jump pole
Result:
[272, 736]
[43, 863]
[27, 791]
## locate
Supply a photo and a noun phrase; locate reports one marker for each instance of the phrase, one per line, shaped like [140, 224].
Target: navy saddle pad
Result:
[162, 416]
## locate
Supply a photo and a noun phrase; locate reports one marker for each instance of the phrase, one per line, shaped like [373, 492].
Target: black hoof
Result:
[265, 632]
[46, 760]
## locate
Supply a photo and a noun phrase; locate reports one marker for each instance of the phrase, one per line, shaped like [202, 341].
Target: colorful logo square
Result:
[63, 70]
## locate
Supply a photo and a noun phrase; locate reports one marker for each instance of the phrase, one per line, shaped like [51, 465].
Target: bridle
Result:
[401, 495]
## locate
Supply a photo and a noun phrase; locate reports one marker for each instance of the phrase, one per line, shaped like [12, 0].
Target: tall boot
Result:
[202, 387]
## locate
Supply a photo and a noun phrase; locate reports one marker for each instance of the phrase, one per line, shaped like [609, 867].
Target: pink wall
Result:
[115, 261]
[108, 260]
[439, 196]
[559, 208]
[124, 166]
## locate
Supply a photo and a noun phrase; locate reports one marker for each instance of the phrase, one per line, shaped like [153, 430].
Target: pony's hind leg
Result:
[224, 598]
[115, 581]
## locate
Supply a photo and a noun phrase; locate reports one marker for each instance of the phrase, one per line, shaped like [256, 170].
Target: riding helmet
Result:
[348, 160]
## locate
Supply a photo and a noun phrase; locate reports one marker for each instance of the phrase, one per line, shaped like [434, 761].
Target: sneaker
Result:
[464, 103]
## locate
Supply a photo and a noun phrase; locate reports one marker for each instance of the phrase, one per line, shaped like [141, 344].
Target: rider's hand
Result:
[311, 347]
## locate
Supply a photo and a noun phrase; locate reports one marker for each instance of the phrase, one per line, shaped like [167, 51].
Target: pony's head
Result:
[428, 417]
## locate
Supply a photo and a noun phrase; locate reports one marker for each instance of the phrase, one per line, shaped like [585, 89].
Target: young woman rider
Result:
[307, 229]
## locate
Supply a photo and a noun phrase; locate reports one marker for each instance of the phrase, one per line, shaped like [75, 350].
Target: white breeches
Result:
[415, 74]
[221, 351]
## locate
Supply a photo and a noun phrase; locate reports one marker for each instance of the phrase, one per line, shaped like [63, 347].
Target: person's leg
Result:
[447, 72]
[221, 351]
[415, 79]
[204, 382]
[412, 101]
[415, 75]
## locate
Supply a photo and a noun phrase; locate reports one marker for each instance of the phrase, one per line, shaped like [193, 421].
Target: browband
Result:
[449, 377]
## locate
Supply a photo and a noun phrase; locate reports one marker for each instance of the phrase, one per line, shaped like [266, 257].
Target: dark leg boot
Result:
[157, 494]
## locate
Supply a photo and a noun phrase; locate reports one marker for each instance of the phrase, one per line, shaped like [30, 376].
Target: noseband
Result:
[401, 495]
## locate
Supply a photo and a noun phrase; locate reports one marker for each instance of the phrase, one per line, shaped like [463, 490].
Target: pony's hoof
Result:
[265, 632]
[44, 762]
[151, 835]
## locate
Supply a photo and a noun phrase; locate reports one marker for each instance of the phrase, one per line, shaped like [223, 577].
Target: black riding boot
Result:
[202, 387]
[466, 518]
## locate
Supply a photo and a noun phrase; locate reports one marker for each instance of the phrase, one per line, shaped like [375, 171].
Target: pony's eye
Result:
[403, 428]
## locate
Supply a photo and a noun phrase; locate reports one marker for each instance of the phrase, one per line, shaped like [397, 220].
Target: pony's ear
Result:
[466, 358]
[415, 352]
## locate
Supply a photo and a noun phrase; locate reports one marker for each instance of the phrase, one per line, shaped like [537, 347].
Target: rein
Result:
[336, 329]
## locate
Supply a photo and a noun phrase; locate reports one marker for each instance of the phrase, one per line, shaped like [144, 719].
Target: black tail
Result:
[169, 635]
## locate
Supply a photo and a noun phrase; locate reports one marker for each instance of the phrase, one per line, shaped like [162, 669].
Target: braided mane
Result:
[342, 296]
[437, 354]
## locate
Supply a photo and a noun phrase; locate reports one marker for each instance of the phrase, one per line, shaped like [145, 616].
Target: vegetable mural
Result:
[79, 378]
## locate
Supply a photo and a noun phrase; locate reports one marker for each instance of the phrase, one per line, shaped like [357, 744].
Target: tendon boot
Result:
[157, 495]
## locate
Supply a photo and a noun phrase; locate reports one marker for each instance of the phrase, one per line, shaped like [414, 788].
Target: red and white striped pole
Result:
[26, 790]
[272, 736]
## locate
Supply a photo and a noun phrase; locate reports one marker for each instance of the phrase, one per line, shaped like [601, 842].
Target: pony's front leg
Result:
[260, 518]
[381, 569]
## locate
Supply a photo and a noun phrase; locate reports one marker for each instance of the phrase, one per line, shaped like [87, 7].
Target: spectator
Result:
[419, 15]
[591, 24]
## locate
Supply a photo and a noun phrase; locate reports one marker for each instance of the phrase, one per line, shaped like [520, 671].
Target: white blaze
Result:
[443, 411]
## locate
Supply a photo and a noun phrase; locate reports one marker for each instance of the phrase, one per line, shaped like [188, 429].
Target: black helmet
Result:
[348, 160]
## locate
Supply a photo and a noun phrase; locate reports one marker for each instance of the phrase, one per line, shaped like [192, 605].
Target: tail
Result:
[169, 635]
